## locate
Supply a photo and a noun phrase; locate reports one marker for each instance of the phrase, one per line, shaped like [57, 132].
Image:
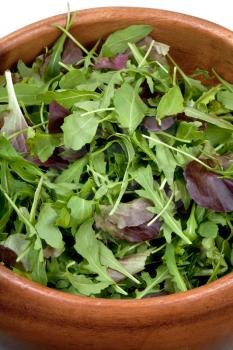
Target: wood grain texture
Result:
[197, 319]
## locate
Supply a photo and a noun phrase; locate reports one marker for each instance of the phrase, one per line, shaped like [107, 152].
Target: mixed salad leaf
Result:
[116, 169]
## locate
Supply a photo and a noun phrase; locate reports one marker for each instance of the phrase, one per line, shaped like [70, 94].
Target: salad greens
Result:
[116, 169]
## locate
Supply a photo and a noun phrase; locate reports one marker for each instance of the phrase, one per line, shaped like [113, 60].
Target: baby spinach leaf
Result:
[26, 93]
[226, 98]
[43, 145]
[172, 102]
[79, 130]
[208, 229]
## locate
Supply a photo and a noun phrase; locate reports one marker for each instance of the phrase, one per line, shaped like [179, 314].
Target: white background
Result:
[17, 13]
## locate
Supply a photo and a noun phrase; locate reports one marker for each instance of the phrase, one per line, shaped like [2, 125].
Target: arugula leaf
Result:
[162, 274]
[87, 246]
[73, 172]
[189, 131]
[46, 228]
[81, 210]
[107, 259]
[166, 162]
[129, 107]
[85, 285]
[67, 98]
[53, 67]
[221, 123]
[144, 177]
[117, 42]
[172, 267]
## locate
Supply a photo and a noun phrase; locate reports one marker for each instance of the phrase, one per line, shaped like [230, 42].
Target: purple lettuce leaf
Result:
[69, 155]
[129, 222]
[132, 263]
[116, 63]
[57, 114]
[7, 256]
[60, 159]
[151, 124]
[71, 54]
[158, 51]
[14, 120]
[208, 189]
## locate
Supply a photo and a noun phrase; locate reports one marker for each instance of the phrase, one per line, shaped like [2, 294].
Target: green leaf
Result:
[38, 267]
[79, 130]
[73, 172]
[85, 285]
[216, 135]
[129, 107]
[26, 93]
[17, 243]
[172, 102]
[72, 79]
[217, 121]
[68, 98]
[226, 98]
[43, 145]
[191, 225]
[24, 71]
[208, 229]
[117, 42]
[81, 210]
[109, 91]
[98, 162]
[189, 131]
[108, 259]
[144, 177]
[63, 219]
[7, 151]
[208, 95]
[166, 162]
[53, 67]
[172, 267]
[151, 283]
[87, 246]
[46, 228]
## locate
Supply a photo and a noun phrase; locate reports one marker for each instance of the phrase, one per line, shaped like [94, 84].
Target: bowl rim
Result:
[224, 283]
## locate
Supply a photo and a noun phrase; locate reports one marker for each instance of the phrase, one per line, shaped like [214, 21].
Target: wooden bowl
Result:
[196, 319]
